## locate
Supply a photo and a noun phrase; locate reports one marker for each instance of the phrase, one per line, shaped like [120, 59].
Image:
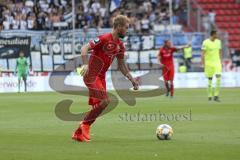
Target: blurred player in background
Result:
[211, 60]
[22, 70]
[104, 49]
[165, 58]
[187, 55]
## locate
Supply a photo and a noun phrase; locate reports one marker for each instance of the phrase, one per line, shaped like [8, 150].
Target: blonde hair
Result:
[120, 20]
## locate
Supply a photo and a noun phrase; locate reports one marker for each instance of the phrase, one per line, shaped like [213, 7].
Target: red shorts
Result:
[97, 89]
[168, 73]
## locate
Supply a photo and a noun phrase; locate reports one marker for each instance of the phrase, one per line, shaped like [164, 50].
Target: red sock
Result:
[171, 88]
[166, 85]
[94, 113]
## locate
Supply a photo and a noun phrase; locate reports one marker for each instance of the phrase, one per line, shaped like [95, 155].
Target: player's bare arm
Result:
[123, 68]
[202, 58]
[220, 55]
[159, 60]
[84, 56]
[182, 47]
[16, 67]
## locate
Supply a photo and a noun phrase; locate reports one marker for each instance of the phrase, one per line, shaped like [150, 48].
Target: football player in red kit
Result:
[165, 58]
[104, 49]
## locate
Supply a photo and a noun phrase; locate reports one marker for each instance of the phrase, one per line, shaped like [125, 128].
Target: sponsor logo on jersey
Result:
[110, 48]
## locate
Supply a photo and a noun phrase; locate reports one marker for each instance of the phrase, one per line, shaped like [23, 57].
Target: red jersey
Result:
[166, 55]
[104, 50]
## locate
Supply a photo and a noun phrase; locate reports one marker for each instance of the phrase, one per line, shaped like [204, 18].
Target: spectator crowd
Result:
[48, 14]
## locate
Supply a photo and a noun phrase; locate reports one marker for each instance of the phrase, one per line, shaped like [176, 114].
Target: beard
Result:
[121, 35]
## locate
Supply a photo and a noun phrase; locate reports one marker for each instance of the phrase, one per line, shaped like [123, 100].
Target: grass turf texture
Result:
[29, 128]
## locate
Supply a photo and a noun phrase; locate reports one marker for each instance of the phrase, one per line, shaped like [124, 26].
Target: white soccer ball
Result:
[164, 132]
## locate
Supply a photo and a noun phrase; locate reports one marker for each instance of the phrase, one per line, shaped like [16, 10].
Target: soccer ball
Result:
[164, 132]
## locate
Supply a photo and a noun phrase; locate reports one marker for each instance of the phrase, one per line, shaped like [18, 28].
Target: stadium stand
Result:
[227, 18]
[55, 14]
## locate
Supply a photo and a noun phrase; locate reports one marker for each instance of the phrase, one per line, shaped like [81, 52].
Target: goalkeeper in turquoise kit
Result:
[22, 70]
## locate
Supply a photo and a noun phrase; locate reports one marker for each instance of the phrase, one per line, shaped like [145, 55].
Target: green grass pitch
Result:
[29, 129]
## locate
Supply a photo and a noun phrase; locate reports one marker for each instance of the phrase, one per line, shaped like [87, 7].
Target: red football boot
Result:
[85, 131]
[78, 136]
